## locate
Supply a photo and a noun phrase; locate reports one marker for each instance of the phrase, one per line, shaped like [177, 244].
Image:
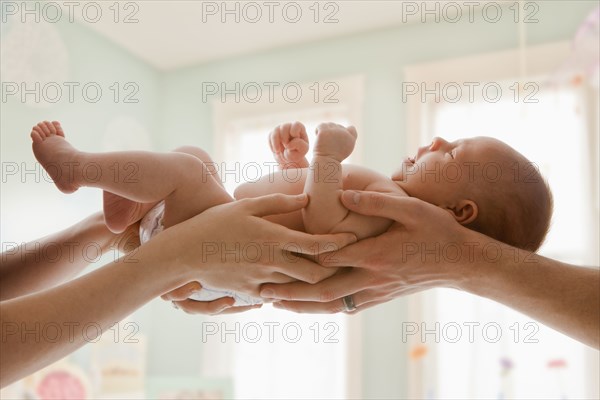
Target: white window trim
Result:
[542, 60]
[490, 67]
[350, 101]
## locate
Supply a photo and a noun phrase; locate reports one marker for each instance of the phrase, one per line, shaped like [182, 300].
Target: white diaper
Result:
[152, 224]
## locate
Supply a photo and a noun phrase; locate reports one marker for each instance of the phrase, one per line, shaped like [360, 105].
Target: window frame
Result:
[541, 60]
[349, 102]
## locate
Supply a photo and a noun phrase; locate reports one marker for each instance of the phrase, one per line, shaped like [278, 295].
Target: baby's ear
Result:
[464, 211]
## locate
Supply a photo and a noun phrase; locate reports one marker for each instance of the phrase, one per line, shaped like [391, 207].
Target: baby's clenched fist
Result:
[289, 144]
[335, 141]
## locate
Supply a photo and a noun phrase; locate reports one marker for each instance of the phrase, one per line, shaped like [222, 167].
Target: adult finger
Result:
[302, 269]
[362, 300]
[276, 204]
[239, 309]
[398, 208]
[306, 243]
[311, 307]
[297, 241]
[332, 288]
[204, 307]
[182, 292]
[353, 255]
[367, 305]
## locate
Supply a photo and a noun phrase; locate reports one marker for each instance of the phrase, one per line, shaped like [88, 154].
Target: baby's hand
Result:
[289, 144]
[335, 141]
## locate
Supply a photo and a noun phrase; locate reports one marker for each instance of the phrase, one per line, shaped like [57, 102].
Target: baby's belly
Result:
[292, 182]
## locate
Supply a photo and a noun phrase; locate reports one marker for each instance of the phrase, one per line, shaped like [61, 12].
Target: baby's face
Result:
[440, 173]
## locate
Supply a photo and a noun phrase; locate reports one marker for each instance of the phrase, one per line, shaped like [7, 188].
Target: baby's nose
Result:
[437, 143]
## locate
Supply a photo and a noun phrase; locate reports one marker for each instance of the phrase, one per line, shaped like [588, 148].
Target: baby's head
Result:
[486, 185]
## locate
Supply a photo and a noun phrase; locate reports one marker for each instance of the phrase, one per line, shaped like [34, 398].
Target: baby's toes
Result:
[59, 129]
[36, 136]
[39, 130]
[44, 129]
[51, 127]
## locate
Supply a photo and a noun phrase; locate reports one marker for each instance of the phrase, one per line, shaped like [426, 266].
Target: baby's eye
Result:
[451, 154]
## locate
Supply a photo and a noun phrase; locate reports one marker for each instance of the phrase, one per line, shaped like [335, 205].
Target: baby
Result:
[482, 182]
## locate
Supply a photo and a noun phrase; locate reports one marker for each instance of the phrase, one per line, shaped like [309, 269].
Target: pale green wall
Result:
[172, 111]
[91, 58]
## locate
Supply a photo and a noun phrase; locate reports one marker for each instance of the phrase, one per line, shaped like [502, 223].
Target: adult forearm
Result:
[98, 300]
[44, 263]
[562, 296]
[171, 259]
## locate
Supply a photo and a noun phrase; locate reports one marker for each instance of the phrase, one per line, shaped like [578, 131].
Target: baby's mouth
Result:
[412, 159]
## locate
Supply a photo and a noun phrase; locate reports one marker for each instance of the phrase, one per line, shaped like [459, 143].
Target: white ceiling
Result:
[172, 34]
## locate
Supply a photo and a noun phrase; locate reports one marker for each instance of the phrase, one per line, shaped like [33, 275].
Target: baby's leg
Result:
[182, 180]
[204, 189]
[120, 212]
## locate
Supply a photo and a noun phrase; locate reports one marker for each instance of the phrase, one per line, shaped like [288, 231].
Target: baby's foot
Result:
[335, 141]
[56, 155]
[119, 212]
[289, 144]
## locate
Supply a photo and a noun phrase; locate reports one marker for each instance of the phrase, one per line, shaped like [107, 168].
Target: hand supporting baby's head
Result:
[486, 185]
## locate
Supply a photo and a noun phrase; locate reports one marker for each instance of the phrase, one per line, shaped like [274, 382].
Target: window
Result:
[509, 354]
[321, 354]
[553, 134]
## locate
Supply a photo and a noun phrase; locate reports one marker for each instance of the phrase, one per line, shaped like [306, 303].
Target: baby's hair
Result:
[517, 209]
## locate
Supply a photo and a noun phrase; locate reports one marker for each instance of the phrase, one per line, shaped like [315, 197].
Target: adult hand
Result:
[232, 247]
[180, 300]
[408, 258]
[129, 240]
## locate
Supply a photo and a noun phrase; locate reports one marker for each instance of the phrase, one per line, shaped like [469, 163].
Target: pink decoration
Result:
[61, 385]
[558, 363]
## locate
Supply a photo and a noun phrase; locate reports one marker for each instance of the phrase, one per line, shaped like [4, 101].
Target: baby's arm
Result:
[361, 225]
[326, 180]
[324, 183]
[289, 144]
[325, 212]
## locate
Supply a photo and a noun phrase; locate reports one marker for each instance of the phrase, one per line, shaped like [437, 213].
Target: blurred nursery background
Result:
[155, 75]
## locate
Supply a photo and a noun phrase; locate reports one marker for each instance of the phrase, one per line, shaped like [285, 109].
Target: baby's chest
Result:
[358, 178]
